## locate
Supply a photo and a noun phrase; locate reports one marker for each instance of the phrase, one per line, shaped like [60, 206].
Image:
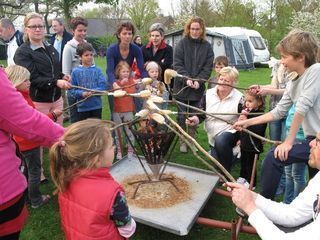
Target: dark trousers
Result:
[181, 118]
[222, 150]
[32, 158]
[97, 113]
[272, 167]
[13, 236]
[73, 113]
[247, 159]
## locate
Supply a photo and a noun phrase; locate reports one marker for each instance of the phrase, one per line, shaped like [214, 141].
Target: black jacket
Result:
[163, 56]
[192, 58]
[253, 144]
[44, 67]
[66, 37]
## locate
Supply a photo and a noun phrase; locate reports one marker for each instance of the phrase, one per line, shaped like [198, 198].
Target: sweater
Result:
[45, 70]
[86, 206]
[114, 57]
[126, 103]
[192, 58]
[88, 77]
[17, 117]
[70, 59]
[305, 93]
[299, 211]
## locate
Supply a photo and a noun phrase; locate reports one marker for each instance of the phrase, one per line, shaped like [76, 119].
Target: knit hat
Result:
[151, 65]
[17, 74]
[157, 27]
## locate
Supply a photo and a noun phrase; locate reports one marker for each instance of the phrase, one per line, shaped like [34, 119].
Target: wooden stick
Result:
[90, 90]
[215, 113]
[211, 115]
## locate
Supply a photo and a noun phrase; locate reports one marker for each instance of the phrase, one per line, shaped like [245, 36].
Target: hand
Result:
[192, 121]
[242, 117]
[57, 112]
[239, 125]
[282, 151]
[242, 197]
[63, 84]
[196, 85]
[67, 77]
[189, 83]
[115, 85]
[86, 94]
[124, 80]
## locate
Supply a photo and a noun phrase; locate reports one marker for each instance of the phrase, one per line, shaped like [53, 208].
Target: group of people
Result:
[80, 156]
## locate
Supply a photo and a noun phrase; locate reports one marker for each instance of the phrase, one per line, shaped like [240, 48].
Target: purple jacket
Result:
[18, 118]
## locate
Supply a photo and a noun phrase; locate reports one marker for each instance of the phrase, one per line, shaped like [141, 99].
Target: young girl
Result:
[124, 107]
[19, 76]
[92, 204]
[157, 87]
[250, 146]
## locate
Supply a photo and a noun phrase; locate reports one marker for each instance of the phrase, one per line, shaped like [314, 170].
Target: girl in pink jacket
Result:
[18, 118]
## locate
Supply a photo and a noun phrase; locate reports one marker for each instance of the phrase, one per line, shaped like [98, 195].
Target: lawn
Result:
[43, 223]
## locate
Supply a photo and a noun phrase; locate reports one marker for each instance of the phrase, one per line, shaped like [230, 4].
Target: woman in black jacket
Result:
[42, 61]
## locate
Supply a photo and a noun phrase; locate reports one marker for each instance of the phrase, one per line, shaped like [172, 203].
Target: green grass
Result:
[44, 223]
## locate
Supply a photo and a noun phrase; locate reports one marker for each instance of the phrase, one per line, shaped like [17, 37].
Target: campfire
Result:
[154, 141]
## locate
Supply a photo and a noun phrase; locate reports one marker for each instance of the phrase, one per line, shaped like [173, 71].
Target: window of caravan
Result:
[257, 43]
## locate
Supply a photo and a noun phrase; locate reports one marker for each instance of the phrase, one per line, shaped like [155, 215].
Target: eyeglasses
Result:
[34, 27]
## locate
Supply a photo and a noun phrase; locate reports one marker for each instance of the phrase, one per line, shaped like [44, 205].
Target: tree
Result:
[142, 12]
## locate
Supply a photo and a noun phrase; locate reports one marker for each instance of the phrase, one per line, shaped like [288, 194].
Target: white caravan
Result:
[257, 44]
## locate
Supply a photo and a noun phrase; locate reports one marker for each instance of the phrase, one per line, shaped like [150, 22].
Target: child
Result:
[157, 87]
[250, 146]
[218, 63]
[124, 106]
[19, 76]
[92, 204]
[89, 76]
[298, 54]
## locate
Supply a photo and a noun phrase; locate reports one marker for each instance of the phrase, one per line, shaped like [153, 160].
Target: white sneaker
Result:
[130, 153]
[183, 148]
[119, 155]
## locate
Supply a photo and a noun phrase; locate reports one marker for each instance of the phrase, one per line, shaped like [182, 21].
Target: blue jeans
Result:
[276, 129]
[295, 181]
[73, 112]
[32, 158]
[272, 167]
[222, 150]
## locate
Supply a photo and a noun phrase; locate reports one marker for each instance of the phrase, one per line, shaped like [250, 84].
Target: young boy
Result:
[218, 63]
[89, 76]
[298, 54]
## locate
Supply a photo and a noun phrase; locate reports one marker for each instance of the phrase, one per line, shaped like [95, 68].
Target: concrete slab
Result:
[179, 218]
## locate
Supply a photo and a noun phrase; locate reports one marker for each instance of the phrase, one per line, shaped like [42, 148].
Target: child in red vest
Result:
[124, 106]
[20, 78]
[92, 204]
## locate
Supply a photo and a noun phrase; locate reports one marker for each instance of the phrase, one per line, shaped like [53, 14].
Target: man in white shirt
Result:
[11, 37]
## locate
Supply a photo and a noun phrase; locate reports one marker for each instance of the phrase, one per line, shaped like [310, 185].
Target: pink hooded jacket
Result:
[18, 118]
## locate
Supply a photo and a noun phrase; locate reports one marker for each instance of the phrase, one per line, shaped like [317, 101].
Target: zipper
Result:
[48, 55]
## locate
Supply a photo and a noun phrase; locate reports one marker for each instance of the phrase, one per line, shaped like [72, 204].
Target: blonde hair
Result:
[17, 74]
[300, 43]
[120, 65]
[85, 142]
[26, 20]
[195, 19]
[232, 72]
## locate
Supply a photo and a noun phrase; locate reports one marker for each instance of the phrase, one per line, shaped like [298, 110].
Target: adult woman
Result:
[193, 57]
[42, 61]
[221, 136]
[137, 40]
[156, 49]
[16, 117]
[126, 51]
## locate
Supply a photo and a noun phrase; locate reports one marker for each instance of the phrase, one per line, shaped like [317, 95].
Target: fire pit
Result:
[154, 141]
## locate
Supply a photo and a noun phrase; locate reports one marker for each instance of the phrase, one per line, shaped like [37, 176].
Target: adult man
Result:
[11, 37]
[60, 36]
[301, 215]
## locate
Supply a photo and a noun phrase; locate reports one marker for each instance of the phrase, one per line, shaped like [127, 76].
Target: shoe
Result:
[119, 155]
[44, 181]
[183, 148]
[45, 199]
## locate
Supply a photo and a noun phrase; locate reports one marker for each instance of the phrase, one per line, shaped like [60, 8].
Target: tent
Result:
[236, 48]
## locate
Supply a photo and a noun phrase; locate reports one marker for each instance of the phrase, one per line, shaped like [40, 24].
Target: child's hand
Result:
[115, 85]
[86, 94]
[124, 80]
[57, 112]
[192, 121]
